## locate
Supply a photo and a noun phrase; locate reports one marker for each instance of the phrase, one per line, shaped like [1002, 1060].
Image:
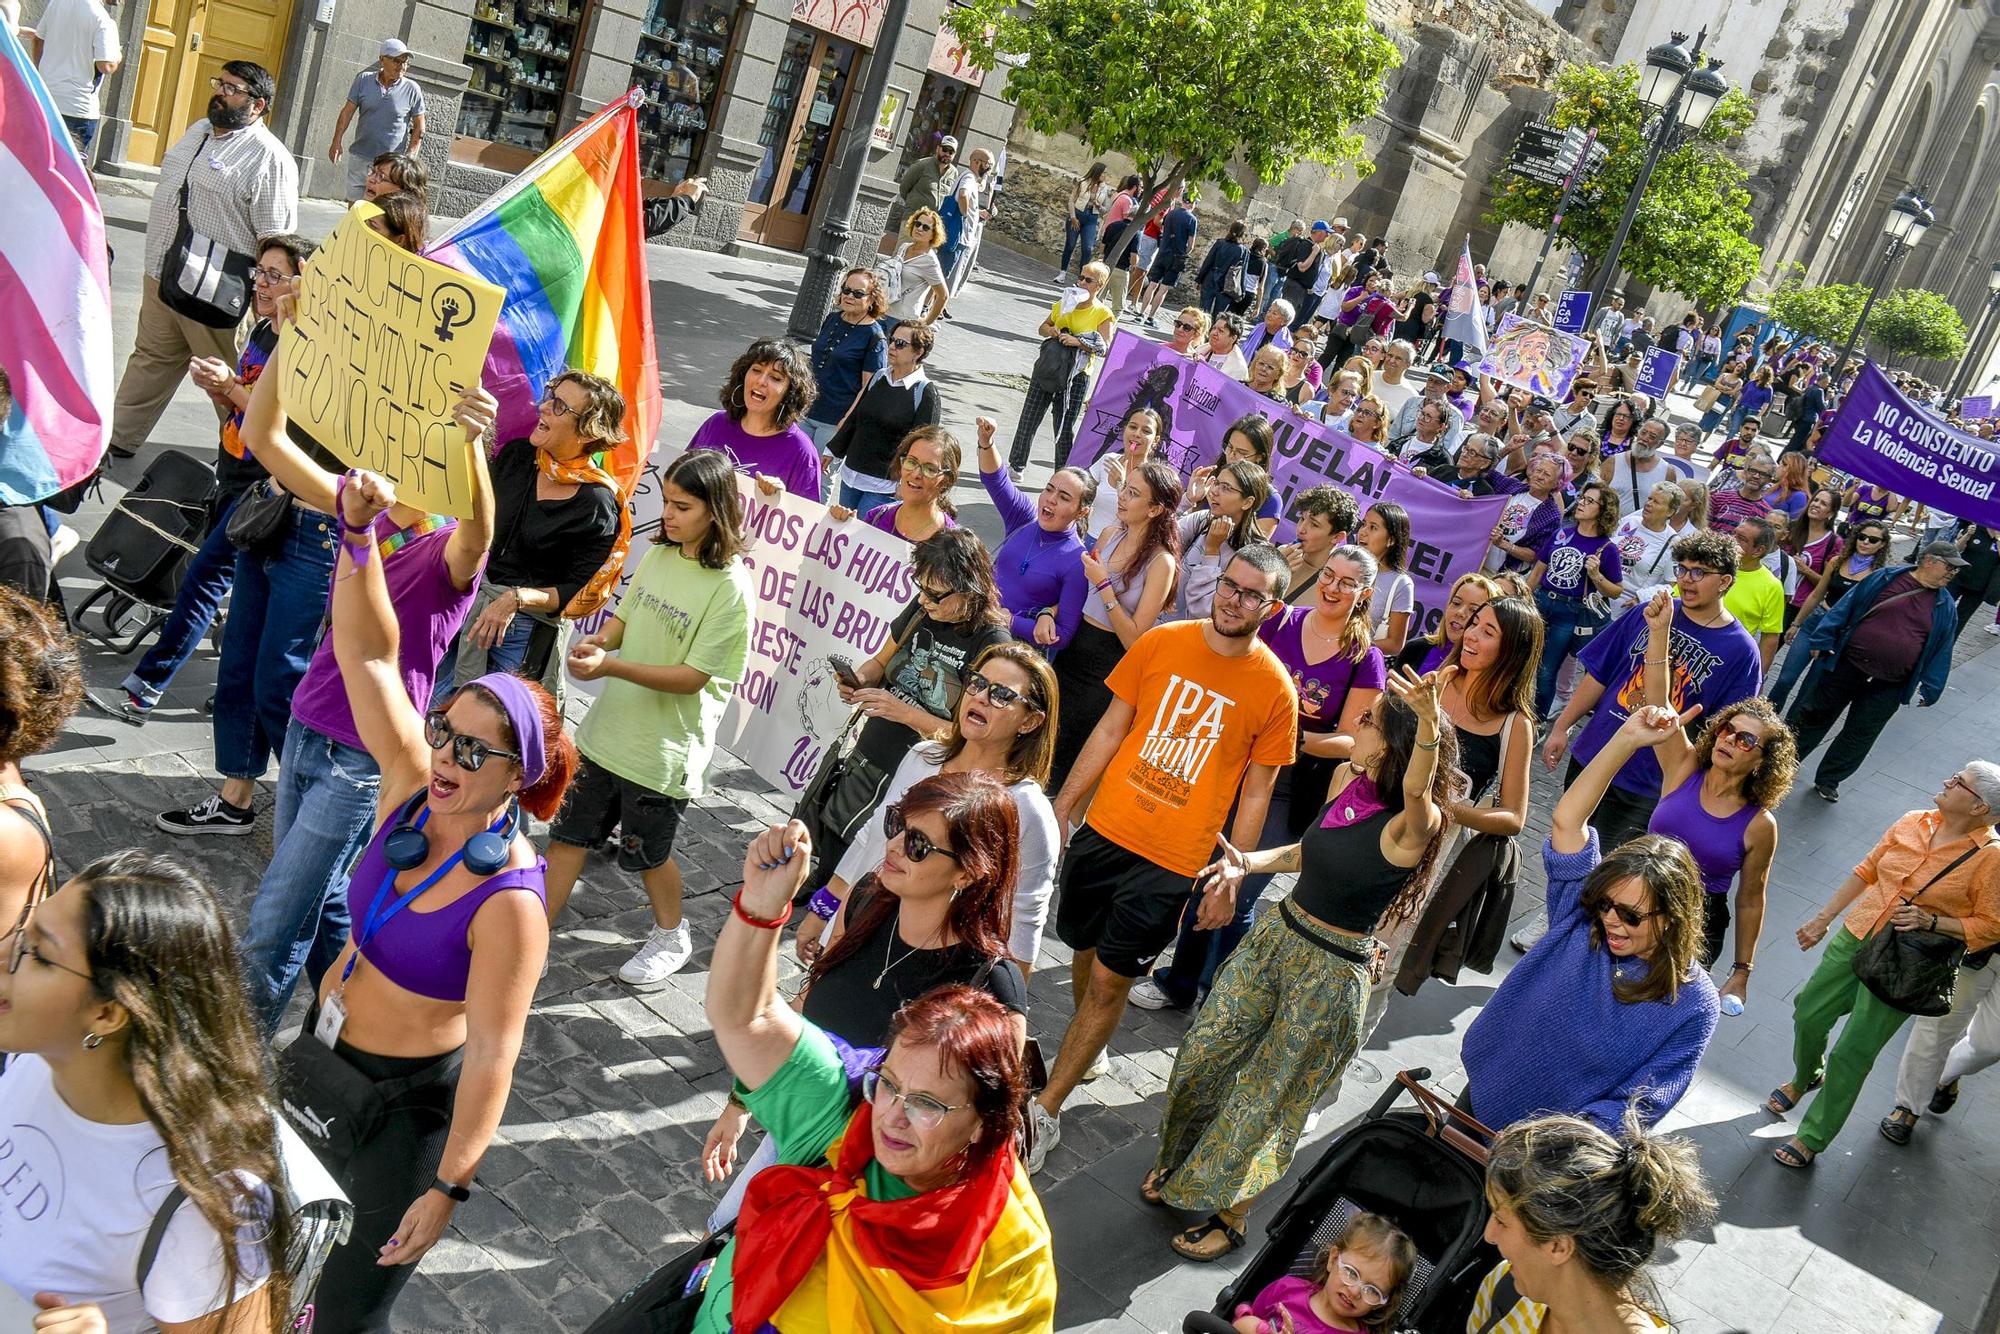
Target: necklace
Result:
[889, 948]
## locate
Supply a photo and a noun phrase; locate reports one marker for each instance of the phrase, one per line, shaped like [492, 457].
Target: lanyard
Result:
[379, 917]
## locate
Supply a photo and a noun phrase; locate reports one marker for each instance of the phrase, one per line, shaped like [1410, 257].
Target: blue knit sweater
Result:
[1555, 1039]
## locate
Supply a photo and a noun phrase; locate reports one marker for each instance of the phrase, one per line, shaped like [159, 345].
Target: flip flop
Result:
[1795, 1156]
[1149, 1189]
[1780, 1102]
[1185, 1243]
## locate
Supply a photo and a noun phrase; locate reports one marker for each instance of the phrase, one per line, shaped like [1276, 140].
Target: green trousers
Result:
[1831, 992]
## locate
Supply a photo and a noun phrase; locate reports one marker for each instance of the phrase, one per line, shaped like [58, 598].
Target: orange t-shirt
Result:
[1199, 719]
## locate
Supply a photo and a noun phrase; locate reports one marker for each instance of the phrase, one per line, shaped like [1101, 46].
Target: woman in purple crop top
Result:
[1721, 794]
[432, 989]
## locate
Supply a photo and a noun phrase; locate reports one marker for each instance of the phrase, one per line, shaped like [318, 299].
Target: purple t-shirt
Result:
[884, 517]
[788, 456]
[1564, 553]
[1322, 686]
[1294, 1295]
[429, 610]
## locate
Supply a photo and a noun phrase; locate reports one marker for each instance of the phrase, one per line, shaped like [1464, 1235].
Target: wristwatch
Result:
[451, 1191]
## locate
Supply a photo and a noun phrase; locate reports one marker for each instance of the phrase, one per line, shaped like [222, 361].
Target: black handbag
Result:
[201, 278]
[1054, 364]
[260, 520]
[336, 1108]
[1914, 971]
[667, 1301]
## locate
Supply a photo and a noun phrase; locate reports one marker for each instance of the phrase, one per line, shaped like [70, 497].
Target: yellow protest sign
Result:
[382, 346]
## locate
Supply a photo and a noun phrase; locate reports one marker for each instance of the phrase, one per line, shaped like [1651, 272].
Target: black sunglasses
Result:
[917, 845]
[1624, 912]
[901, 344]
[1001, 696]
[856, 292]
[467, 752]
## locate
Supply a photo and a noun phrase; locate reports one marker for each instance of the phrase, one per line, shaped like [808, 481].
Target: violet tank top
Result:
[1716, 843]
[425, 952]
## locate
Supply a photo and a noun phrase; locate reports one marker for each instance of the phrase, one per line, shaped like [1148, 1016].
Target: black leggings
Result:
[1080, 671]
[385, 1176]
[1714, 926]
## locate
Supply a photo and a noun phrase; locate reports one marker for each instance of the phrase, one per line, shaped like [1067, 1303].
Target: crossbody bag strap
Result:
[1956, 862]
[1504, 1299]
[189, 175]
[156, 1232]
[1891, 601]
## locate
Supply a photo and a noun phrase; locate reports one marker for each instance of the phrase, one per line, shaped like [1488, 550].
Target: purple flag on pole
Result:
[1198, 403]
[1882, 437]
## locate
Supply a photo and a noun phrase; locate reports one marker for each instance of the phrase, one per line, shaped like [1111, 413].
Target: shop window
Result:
[682, 57]
[521, 53]
[940, 110]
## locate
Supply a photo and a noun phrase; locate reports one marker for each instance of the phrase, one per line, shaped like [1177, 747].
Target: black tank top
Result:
[1344, 880]
[1479, 757]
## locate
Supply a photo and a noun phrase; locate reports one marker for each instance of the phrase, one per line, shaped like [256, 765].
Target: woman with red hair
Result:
[922, 1215]
[427, 1006]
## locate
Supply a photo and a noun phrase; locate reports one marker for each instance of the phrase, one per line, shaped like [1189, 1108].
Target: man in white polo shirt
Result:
[77, 46]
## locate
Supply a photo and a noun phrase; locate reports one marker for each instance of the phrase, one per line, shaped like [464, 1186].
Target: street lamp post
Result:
[1980, 328]
[826, 261]
[1909, 218]
[1676, 84]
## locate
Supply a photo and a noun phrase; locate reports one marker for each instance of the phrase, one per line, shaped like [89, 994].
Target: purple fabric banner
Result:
[1533, 357]
[1882, 437]
[1450, 532]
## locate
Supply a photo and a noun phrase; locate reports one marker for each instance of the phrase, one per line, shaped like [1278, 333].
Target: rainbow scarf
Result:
[55, 296]
[814, 1252]
[565, 241]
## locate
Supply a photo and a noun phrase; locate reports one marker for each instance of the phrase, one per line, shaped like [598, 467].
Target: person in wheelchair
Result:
[845, 1232]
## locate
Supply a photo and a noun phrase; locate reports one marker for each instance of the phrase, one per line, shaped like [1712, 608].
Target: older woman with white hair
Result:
[1645, 542]
[1274, 329]
[1935, 871]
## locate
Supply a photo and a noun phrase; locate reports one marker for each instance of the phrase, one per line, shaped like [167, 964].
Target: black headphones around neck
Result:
[484, 853]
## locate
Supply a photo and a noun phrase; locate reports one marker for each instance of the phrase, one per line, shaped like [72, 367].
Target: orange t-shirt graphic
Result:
[1199, 720]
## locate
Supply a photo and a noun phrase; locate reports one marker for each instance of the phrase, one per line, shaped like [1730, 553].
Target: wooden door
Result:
[802, 125]
[184, 44]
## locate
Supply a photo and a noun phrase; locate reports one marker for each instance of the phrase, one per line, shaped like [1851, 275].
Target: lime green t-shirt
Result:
[677, 612]
[1758, 600]
[803, 1106]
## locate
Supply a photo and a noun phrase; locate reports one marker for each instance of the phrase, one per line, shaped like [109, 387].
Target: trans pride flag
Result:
[55, 296]
[565, 241]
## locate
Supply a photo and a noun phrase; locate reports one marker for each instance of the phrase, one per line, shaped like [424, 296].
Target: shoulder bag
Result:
[202, 278]
[260, 520]
[1914, 971]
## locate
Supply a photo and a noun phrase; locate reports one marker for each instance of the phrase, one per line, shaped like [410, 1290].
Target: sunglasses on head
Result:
[917, 845]
[1625, 912]
[467, 752]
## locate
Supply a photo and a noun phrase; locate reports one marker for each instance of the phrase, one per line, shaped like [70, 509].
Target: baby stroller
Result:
[1424, 1170]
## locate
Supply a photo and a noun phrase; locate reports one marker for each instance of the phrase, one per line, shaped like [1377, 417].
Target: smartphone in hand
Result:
[843, 671]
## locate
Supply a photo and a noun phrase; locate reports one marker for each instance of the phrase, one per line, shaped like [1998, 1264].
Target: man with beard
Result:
[1201, 712]
[241, 185]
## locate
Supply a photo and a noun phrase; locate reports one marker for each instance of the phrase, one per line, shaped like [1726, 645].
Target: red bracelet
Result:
[775, 924]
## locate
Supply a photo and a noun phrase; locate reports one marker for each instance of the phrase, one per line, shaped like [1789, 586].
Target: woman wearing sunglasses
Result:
[136, 1070]
[913, 277]
[1190, 335]
[1285, 1016]
[849, 351]
[450, 930]
[1865, 551]
[900, 400]
[1722, 793]
[953, 1231]
[1619, 963]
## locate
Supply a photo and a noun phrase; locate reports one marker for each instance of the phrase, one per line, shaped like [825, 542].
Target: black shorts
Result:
[1167, 266]
[1116, 902]
[600, 800]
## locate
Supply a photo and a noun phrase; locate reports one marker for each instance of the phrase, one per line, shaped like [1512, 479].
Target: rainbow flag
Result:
[564, 239]
[55, 296]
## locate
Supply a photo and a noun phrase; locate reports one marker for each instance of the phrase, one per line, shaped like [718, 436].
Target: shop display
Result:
[520, 52]
[680, 63]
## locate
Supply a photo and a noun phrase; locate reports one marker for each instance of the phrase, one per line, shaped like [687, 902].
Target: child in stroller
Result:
[1355, 1287]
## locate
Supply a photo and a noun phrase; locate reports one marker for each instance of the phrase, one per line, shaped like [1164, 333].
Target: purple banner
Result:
[1882, 437]
[1533, 357]
[1572, 308]
[1657, 372]
[1450, 532]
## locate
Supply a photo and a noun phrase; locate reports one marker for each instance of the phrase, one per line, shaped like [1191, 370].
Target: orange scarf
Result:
[586, 471]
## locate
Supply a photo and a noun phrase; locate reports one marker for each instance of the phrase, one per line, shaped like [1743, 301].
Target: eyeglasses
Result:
[932, 595]
[917, 845]
[1753, 475]
[1690, 574]
[467, 752]
[924, 1111]
[1235, 592]
[1002, 697]
[1367, 1292]
[858, 293]
[1623, 911]
[228, 89]
[270, 276]
[1227, 488]
[1741, 739]
[1346, 584]
[927, 471]
[900, 344]
[557, 408]
[1359, 413]
[20, 949]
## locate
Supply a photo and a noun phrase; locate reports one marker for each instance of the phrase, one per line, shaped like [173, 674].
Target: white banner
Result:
[821, 588]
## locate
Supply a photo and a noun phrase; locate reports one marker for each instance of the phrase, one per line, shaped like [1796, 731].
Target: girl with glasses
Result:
[1865, 551]
[669, 658]
[925, 468]
[450, 929]
[1618, 962]
[1354, 1287]
[1210, 537]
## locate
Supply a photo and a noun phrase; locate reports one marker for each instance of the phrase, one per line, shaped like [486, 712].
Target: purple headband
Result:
[524, 715]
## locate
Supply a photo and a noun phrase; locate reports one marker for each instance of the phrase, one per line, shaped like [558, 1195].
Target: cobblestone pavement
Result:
[595, 1176]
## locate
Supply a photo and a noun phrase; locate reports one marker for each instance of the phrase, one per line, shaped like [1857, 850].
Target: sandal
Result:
[1793, 1154]
[1899, 1125]
[1189, 1245]
[1781, 1102]
[1149, 1189]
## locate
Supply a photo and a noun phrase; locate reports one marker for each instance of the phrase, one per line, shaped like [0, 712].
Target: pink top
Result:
[1294, 1295]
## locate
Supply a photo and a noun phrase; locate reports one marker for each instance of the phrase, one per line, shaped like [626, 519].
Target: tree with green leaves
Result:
[1188, 88]
[1913, 322]
[1826, 312]
[1692, 231]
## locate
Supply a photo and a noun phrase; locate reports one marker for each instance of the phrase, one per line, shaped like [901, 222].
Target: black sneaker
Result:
[1825, 793]
[214, 816]
[1945, 1098]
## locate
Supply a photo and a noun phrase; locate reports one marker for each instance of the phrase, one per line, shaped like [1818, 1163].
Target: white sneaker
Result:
[1099, 1068]
[61, 542]
[1047, 1129]
[665, 953]
[1147, 994]
[1993, 627]
[1524, 939]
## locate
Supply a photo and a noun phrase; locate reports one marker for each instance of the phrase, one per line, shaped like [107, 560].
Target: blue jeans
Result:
[83, 133]
[1797, 659]
[1570, 624]
[202, 589]
[864, 503]
[1079, 238]
[509, 655]
[326, 807]
[275, 613]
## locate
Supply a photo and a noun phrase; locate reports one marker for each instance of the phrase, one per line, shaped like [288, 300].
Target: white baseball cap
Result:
[394, 49]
